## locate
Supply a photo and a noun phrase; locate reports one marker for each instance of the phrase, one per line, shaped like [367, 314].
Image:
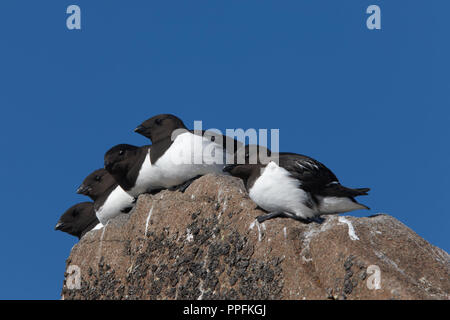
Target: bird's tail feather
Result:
[338, 190]
[362, 191]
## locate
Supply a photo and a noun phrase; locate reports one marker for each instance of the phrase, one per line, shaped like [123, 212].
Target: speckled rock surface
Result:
[205, 244]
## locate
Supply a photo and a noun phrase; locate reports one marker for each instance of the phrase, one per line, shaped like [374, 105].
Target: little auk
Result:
[294, 186]
[110, 199]
[179, 155]
[78, 220]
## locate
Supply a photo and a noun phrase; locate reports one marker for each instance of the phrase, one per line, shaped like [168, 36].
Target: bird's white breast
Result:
[98, 226]
[117, 200]
[146, 179]
[276, 190]
[189, 156]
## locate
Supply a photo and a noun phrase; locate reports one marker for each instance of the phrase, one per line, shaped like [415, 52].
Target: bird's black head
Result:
[160, 127]
[243, 171]
[248, 162]
[96, 184]
[77, 219]
[117, 158]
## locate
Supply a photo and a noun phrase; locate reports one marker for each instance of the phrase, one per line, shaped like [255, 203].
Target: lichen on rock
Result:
[205, 244]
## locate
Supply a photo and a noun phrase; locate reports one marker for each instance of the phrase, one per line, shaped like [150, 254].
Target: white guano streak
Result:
[351, 230]
[148, 219]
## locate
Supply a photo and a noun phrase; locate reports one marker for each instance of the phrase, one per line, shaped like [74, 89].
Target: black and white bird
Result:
[179, 155]
[296, 186]
[78, 220]
[131, 168]
[110, 199]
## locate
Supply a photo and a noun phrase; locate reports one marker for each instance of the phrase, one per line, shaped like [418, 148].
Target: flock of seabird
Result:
[291, 185]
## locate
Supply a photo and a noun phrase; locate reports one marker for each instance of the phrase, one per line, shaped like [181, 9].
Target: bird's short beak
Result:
[82, 189]
[59, 226]
[107, 165]
[139, 129]
[228, 168]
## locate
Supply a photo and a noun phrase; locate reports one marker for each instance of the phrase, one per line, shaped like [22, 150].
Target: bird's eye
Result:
[121, 152]
[213, 138]
[97, 178]
[247, 155]
[75, 213]
[158, 121]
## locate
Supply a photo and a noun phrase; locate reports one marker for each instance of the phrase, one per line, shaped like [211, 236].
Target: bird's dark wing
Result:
[315, 177]
[312, 174]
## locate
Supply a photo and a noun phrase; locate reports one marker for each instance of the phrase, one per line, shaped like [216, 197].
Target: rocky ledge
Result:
[206, 244]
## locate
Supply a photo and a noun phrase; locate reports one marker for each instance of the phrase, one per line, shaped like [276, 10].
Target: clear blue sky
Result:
[374, 106]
